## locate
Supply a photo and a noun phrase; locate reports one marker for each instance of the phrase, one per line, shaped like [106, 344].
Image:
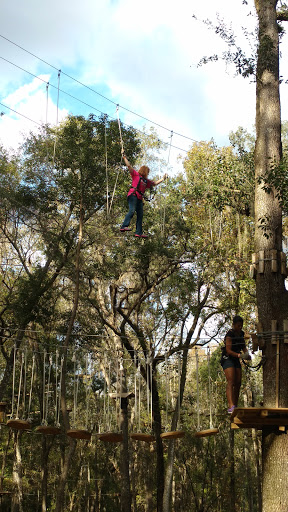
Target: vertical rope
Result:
[139, 396]
[60, 388]
[209, 386]
[119, 124]
[20, 385]
[117, 391]
[104, 423]
[121, 369]
[44, 383]
[151, 392]
[24, 384]
[87, 392]
[31, 386]
[164, 201]
[13, 381]
[106, 165]
[147, 384]
[179, 386]
[166, 387]
[135, 390]
[108, 399]
[58, 90]
[197, 382]
[74, 389]
[56, 384]
[122, 147]
[47, 100]
[48, 389]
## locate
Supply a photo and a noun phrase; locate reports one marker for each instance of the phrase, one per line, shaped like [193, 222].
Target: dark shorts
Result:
[230, 362]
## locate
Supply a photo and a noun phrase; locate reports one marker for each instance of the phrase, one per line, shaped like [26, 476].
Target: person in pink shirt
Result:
[140, 183]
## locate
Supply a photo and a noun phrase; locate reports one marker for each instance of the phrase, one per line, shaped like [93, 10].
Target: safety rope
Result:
[31, 386]
[24, 384]
[135, 391]
[57, 113]
[197, 389]
[56, 383]
[106, 166]
[20, 385]
[122, 151]
[256, 367]
[121, 370]
[48, 390]
[13, 381]
[179, 386]
[74, 389]
[108, 399]
[209, 387]
[44, 384]
[120, 132]
[59, 395]
[151, 392]
[166, 389]
[87, 392]
[139, 395]
[47, 101]
[164, 195]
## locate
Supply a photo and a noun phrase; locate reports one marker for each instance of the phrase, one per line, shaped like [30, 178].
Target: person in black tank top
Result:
[233, 351]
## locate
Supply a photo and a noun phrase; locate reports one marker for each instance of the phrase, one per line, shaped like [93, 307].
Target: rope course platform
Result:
[176, 434]
[207, 433]
[147, 438]
[254, 417]
[48, 430]
[111, 437]
[75, 433]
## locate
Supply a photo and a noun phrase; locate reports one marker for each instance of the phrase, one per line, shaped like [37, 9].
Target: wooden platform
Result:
[259, 417]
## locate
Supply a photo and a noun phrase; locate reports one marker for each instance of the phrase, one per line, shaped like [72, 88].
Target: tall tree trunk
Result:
[17, 499]
[44, 471]
[272, 299]
[232, 472]
[126, 498]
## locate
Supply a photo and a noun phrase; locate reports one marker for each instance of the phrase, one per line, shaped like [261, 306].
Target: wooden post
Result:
[253, 267]
[277, 372]
[283, 264]
[273, 254]
[274, 336]
[285, 329]
[261, 262]
[261, 342]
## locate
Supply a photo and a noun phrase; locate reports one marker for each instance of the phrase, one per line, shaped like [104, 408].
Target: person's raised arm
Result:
[126, 162]
[160, 181]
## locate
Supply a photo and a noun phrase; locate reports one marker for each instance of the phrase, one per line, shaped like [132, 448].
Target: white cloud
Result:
[28, 101]
[140, 54]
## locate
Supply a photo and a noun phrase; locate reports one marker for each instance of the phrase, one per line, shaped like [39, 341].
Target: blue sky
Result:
[142, 55]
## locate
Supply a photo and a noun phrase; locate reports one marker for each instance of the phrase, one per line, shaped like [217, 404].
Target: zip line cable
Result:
[96, 92]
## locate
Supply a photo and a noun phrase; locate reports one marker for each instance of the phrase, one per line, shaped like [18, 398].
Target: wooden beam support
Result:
[273, 254]
[274, 330]
[285, 329]
[261, 262]
[283, 264]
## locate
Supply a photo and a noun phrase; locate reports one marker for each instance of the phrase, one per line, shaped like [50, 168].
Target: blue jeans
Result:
[134, 204]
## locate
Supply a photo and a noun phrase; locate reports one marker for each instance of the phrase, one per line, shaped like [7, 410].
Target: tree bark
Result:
[271, 295]
[17, 499]
[126, 498]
